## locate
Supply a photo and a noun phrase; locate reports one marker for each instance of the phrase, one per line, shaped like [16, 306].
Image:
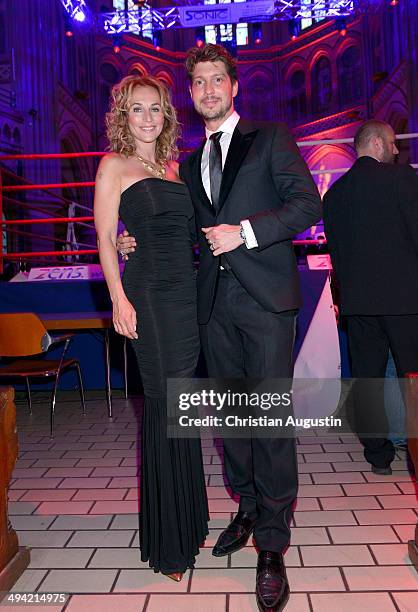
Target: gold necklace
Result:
[158, 170]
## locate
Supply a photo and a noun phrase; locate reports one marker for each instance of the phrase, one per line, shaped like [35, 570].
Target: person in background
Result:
[377, 276]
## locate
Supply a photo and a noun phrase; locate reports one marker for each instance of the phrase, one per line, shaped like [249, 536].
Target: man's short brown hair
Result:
[373, 127]
[211, 53]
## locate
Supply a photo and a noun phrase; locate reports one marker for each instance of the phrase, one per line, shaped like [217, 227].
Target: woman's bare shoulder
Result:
[111, 164]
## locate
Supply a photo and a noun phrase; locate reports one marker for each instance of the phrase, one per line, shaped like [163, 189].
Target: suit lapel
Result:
[238, 149]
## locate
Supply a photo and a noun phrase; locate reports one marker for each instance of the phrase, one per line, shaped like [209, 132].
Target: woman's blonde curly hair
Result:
[118, 132]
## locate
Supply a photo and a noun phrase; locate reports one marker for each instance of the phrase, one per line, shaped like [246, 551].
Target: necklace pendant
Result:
[157, 171]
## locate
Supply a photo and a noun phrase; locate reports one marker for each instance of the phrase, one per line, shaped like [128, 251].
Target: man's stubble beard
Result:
[219, 115]
[388, 157]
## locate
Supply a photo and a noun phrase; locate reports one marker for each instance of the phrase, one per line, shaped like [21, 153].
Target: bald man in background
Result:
[371, 224]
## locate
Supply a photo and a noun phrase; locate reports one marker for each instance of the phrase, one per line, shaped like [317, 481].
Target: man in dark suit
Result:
[252, 192]
[371, 224]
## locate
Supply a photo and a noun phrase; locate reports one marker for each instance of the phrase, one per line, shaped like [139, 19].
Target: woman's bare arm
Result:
[106, 214]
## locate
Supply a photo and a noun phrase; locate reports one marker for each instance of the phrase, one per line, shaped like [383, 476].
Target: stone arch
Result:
[321, 85]
[295, 94]
[350, 75]
[326, 157]
[72, 170]
[318, 52]
[76, 168]
[166, 77]
[259, 95]
[294, 65]
[140, 68]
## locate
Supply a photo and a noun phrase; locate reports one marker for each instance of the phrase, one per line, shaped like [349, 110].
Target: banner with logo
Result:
[212, 14]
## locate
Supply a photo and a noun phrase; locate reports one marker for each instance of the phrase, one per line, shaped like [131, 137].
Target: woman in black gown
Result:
[139, 181]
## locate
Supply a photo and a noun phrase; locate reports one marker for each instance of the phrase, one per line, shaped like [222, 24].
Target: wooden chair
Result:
[23, 335]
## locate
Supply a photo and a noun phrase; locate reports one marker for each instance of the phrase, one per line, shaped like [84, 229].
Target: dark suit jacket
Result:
[371, 223]
[266, 181]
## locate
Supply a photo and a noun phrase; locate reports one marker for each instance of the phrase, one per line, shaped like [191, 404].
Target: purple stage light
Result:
[76, 9]
[80, 16]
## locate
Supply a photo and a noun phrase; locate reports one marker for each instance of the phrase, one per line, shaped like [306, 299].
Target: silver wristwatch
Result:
[242, 234]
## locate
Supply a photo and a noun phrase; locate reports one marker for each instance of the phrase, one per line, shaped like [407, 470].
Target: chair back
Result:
[22, 334]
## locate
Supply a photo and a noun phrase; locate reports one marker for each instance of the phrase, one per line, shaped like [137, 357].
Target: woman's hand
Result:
[124, 318]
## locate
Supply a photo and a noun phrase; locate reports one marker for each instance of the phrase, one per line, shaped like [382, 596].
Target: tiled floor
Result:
[74, 501]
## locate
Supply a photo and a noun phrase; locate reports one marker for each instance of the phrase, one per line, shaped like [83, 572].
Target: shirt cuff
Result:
[250, 239]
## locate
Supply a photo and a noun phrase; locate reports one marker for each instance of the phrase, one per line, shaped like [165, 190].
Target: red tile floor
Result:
[73, 501]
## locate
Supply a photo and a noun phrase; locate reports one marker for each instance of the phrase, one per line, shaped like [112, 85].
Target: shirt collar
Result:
[228, 126]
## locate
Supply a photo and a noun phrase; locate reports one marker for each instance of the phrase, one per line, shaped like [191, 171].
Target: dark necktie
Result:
[215, 168]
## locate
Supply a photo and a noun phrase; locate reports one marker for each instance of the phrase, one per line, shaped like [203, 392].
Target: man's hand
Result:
[223, 238]
[125, 244]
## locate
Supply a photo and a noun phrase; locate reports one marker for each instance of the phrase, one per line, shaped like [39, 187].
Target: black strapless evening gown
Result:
[160, 282]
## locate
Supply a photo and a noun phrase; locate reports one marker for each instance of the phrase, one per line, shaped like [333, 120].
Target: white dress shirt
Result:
[227, 128]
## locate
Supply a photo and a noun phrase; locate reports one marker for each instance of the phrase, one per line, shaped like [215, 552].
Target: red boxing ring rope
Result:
[47, 220]
[48, 185]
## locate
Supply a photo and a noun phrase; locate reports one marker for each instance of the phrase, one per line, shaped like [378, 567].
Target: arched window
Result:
[136, 72]
[109, 73]
[17, 139]
[321, 86]
[350, 83]
[259, 94]
[296, 95]
[7, 134]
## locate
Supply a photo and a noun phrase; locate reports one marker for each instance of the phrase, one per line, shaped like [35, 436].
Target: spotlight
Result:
[257, 33]
[157, 39]
[294, 28]
[341, 25]
[200, 37]
[68, 29]
[79, 15]
[117, 43]
[394, 2]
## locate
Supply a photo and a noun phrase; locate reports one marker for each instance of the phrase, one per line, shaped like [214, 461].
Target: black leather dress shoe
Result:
[272, 587]
[235, 536]
[382, 471]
